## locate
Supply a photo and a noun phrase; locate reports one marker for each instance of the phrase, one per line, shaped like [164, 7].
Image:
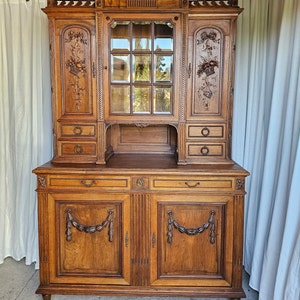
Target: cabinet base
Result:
[202, 292]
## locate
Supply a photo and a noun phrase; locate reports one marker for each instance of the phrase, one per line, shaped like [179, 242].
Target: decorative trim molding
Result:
[213, 3]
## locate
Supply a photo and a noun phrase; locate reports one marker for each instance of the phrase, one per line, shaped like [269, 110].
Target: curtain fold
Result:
[25, 122]
[267, 94]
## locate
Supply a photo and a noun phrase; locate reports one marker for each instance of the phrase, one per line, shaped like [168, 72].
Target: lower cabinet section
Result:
[141, 240]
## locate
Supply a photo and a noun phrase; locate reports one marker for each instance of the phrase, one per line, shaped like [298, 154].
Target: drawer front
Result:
[78, 149]
[192, 184]
[204, 149]
[90, 182]
[78, 130]
[209, 131]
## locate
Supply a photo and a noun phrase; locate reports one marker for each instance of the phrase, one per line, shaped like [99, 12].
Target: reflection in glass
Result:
[142, 68]
[162, 100]
[141, 101]
[141, 36]
[120, 70]
[163, 67]
[163, 36]
[120, 34]
[120, 99]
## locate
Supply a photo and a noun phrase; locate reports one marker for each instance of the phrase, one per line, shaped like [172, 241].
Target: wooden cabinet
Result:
[142, 196]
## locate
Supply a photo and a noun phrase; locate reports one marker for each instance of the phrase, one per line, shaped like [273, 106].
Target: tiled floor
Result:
[19, 282]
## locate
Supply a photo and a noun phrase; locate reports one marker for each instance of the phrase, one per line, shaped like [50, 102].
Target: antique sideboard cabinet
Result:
[141, 197]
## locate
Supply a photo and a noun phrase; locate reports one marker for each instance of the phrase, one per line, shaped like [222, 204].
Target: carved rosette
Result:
[76, 45]
[208, 49]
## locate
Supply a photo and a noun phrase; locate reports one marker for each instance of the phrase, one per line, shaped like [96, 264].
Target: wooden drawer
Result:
[209, 131]
[192, 183]
[204, 149]
[73, 148]
[77, 130]
[90, 182]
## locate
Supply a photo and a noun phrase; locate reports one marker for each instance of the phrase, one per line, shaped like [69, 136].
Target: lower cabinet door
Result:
[87, 238]
[194, 240]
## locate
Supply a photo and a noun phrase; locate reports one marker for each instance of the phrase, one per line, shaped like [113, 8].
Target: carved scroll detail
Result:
[192, 231]
[71, 221]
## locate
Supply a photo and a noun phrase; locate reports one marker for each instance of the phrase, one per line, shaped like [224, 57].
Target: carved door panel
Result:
[194, 240]
[210, 47]
[88, 238]
[75, 66]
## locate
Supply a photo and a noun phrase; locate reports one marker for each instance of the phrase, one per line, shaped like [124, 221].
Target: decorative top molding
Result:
[154, 4]
[213, 3]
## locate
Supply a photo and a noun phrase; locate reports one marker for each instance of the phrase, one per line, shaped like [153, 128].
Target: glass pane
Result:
[163, 36]
[120, 36]
[141, 99]
[120, 68]
[163, 68]
[162, 100]
[120, 99]
[141, 36]
[142, 68]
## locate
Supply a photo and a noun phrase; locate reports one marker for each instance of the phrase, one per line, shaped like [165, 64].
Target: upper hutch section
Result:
[150, 77]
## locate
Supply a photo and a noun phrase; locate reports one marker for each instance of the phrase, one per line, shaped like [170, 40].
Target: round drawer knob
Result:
[78, 149]
[77, 130]
[205, 131]
[204, 150]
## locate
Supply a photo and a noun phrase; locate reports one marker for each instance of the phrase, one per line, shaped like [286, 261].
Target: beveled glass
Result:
[120, 35]
[120, 99]
[163, 67]
[120, 68]
[162, 100]
[141, 36]
[141, 68]
[141, 100]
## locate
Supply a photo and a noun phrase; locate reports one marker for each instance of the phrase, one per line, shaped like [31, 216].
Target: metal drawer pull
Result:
[78, 149]
[204, 150]
[71, 221]
[192, 185]
[205, 131]
[192, 231]
[77, 130]
[88, 183]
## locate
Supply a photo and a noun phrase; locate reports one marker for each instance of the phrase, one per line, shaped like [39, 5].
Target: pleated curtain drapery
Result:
[266, 142]
[25, 122]
[266, 130]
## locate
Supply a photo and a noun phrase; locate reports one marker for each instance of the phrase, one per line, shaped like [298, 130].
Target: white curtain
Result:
[25, 122]
[266, 142]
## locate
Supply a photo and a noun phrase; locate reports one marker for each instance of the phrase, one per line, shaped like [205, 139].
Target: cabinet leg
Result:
[46, 297]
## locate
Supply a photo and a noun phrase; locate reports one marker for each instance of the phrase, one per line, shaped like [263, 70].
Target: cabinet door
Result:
[194, 240]
[88, 238]
[74, 90]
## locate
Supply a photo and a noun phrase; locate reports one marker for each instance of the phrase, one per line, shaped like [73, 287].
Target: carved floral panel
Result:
[208, 44]
[76, 70]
